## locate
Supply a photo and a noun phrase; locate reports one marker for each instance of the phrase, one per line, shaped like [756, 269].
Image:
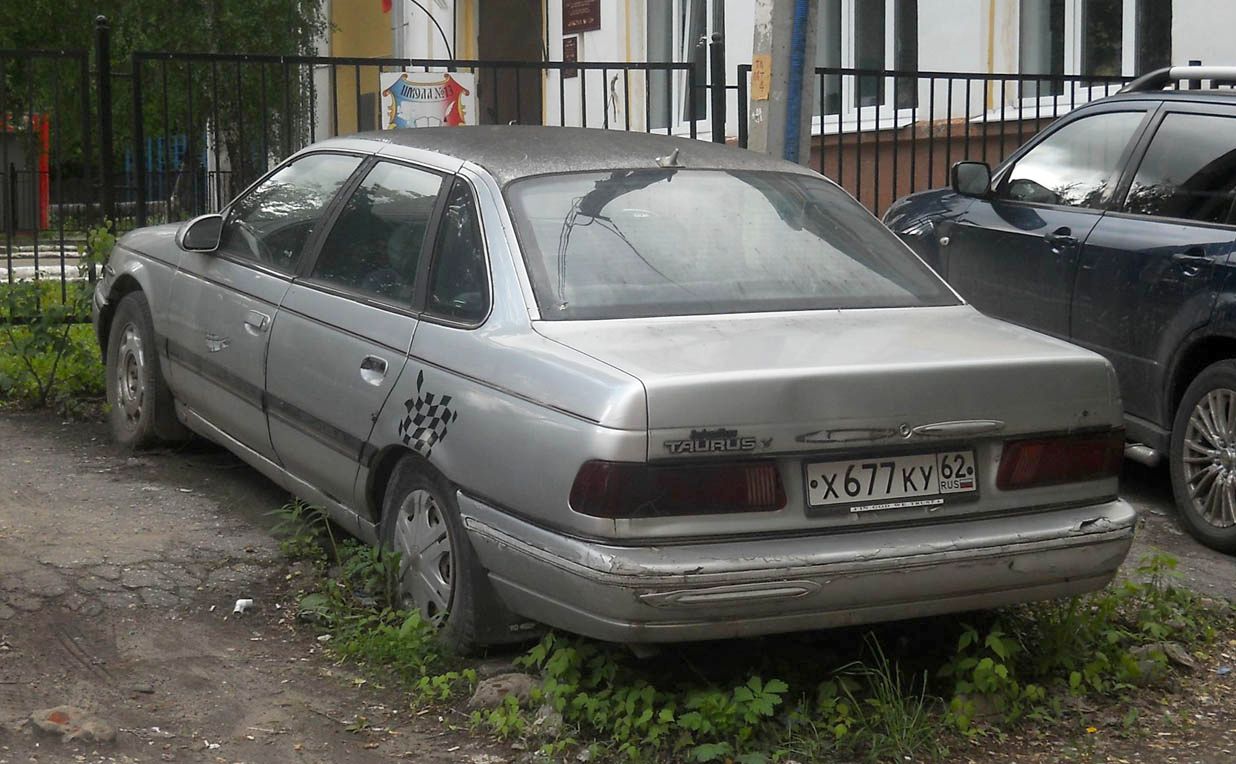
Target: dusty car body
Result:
[588, 427]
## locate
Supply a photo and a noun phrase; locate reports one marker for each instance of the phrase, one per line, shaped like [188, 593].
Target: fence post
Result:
[107, 148]
[139, 145]
[717, 51]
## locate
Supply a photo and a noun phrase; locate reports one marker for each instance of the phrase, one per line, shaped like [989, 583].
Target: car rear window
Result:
[638, 243]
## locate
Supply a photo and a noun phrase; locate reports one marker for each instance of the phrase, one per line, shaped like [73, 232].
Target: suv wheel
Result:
[1203, 457]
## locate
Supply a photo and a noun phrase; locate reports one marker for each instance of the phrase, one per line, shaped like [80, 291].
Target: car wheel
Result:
[1203, 457]
[142, 413]
[439, 574]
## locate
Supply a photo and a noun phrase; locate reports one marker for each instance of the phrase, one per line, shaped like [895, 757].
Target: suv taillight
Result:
[626, 490]
[1053, 461]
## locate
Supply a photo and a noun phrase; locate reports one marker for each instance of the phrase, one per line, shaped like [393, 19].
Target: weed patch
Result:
[887, 693]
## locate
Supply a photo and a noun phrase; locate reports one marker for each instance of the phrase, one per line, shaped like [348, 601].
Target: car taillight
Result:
[626, 490]
[1052, 461]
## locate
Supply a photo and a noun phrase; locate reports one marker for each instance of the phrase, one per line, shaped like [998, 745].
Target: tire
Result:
[440, 574]
[1205, 485]
[142, 413]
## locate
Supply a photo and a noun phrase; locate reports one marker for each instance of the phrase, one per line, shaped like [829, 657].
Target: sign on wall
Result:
[427, 99]
[570, 53]
[581, 15]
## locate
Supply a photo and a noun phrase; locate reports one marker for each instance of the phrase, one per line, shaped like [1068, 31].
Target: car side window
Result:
[458, 277]
[1189, 171]
[375, 245]
[1075, 165]
[271, 223]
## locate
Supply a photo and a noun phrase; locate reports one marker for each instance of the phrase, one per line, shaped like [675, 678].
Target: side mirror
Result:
[201, 234]
[972, 179]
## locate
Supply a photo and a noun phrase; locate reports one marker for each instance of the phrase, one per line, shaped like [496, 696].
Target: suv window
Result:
[458, 279]
[375, 245]
[272, 222]
[1074, 165]
[1189, 170]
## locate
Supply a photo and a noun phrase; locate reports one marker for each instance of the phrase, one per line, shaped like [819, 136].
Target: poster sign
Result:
[427, 99]
[761, 77]
[570, 53]
[581, 15]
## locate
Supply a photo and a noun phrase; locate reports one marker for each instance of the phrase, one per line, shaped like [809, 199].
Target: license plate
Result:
[892, 482]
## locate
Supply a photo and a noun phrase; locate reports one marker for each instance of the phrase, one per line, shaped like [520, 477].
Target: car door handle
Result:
[1061, 237]
[1191, 263]
[256, 322]
[373, 369]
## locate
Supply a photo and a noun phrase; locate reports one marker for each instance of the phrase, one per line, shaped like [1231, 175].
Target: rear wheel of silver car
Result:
[1203, 457]
[440, 576]
[141, 408]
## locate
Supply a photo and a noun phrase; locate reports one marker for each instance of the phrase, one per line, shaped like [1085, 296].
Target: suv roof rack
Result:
[1160, 78]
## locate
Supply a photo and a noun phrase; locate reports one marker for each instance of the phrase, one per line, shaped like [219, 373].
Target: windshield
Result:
[635, 243]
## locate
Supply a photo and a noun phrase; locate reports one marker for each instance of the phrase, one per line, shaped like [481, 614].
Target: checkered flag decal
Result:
[428, 417]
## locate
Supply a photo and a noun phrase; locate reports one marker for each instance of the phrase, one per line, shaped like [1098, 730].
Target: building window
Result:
[1154, 35]
[866, 34]
[1041, 42]
[675, 28]
[1102, 38]
[1102, 25]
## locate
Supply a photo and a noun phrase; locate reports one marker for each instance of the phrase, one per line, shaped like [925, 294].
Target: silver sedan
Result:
[639, 388]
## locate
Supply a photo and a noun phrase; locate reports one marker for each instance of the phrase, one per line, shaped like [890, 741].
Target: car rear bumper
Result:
[680, 592]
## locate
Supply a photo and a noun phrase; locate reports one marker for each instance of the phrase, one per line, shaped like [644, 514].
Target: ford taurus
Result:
[640, 388]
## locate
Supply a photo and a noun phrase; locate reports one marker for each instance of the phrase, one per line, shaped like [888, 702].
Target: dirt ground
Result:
[118, 578]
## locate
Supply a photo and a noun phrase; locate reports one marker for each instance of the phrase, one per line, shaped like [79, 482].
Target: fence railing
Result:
[219, 121]
[882, 134]
[166, 135]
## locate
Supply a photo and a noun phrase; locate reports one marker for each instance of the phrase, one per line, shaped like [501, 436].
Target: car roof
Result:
[1222, 96]
[510, 152]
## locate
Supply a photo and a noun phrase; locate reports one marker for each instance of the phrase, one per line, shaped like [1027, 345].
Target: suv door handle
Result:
[373, 369]
[256, 322]
[1191, 262]
[1061, 237]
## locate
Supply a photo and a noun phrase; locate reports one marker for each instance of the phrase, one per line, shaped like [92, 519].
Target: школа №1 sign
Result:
[427, 99]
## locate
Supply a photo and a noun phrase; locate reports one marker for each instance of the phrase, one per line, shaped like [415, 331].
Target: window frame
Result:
[1118, 206]
[414, 307]
[309, 250]
[427, 263]
[1124, 164]
[853, 116]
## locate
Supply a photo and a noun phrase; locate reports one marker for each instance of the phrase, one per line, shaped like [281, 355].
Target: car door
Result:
[1014, 255]
[1152, 267]
[344, 328]
[223, 303]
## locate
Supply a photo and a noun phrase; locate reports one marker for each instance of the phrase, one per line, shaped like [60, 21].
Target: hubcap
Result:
[130, 364]
[426, 559]
[1210, 458]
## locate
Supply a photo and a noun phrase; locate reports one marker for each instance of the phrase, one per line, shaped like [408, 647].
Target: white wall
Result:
[1204, 30]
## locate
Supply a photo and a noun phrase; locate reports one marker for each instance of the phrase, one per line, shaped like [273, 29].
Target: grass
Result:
[892, 692]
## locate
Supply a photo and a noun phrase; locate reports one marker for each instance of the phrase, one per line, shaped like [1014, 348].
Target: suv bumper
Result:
[680, 592]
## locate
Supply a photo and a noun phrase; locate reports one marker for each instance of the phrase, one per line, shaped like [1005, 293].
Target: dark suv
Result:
[1114, 228]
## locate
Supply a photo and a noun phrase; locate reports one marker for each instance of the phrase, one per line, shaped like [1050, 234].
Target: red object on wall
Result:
[40, 125]
[386, 6]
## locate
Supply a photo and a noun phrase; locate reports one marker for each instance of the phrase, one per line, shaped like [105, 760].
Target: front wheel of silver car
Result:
[440, 576]
[1203, 457]
[141, 408]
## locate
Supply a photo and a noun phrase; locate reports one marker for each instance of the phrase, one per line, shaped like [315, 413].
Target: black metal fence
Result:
[882, 134]
[164, 136]
[203, 126]
[46, 146]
